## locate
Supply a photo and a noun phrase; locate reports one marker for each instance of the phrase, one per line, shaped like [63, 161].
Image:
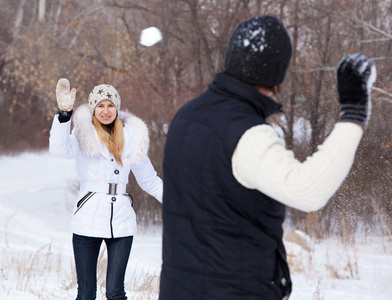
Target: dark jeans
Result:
[86, 252]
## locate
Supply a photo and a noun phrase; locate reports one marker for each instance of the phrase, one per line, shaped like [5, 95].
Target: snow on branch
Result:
[384, 92]
[375, 40]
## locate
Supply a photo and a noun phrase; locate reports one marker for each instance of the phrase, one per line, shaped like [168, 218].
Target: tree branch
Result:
[372, 28]
[384, 92]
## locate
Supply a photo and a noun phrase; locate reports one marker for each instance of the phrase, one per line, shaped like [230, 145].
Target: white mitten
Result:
[65, 97]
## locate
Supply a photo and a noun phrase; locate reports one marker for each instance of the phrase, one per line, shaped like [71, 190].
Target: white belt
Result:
[101, 187]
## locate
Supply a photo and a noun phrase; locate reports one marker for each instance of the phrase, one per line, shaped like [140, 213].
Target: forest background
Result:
[92, 42]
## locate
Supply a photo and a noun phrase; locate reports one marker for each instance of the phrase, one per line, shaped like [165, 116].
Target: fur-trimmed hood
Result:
[135, 134]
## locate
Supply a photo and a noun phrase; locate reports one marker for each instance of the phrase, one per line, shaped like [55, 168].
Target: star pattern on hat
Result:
[104, 92]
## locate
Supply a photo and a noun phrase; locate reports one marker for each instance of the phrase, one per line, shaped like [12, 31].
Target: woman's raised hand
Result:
[65, 96]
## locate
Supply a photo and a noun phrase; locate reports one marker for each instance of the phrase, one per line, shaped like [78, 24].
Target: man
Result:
[228, 176]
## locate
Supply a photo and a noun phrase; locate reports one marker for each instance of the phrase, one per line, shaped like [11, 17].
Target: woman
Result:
[106, 144]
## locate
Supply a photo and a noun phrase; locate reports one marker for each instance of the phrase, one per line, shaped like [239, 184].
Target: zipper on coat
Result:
[111, 219]
[82, 201]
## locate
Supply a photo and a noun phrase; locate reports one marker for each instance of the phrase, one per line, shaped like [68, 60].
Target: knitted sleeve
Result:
[261, 161]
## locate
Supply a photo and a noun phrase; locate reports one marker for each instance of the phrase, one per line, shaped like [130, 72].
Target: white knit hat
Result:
[103, 92]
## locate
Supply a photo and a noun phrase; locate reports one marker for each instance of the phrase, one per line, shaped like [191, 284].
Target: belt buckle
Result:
[112, 189]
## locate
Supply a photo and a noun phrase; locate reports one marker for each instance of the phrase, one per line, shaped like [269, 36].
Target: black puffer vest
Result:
[220, 240]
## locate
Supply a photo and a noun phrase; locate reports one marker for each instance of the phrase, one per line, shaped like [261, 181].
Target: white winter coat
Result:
[96, 213]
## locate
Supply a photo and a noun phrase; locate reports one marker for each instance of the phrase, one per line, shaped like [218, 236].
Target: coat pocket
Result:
[282, 275]
[83, 200]
[130, 198]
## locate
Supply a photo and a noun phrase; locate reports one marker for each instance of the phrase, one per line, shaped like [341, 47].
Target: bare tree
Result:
[91, 42]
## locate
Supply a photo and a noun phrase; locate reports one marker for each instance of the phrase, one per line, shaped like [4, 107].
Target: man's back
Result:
[220, 238]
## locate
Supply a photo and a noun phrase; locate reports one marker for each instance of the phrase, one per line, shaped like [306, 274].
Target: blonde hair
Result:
[112, 138]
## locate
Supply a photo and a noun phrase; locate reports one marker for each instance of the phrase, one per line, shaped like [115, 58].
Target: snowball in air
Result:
[150, 36]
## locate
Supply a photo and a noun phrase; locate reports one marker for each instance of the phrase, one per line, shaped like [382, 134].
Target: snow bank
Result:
[37, 192]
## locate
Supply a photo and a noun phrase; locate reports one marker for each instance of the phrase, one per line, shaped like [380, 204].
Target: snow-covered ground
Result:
[37, 192]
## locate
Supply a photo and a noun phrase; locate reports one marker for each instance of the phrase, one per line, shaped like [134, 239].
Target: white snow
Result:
[37, 192]
[257, 33]
[150, 36]
[372, 78]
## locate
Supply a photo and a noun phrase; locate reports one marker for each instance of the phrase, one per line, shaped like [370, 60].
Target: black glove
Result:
[356, 75]
[64, 116]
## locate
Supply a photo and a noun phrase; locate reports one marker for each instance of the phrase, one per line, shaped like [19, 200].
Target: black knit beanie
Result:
[259, 52]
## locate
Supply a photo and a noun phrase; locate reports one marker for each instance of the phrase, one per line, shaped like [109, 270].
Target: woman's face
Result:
[105, 112]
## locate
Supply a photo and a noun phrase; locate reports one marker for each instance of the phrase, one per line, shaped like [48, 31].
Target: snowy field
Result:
[37, 193]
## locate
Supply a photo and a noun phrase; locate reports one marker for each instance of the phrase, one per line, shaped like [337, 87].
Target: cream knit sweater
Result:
[261, 161]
